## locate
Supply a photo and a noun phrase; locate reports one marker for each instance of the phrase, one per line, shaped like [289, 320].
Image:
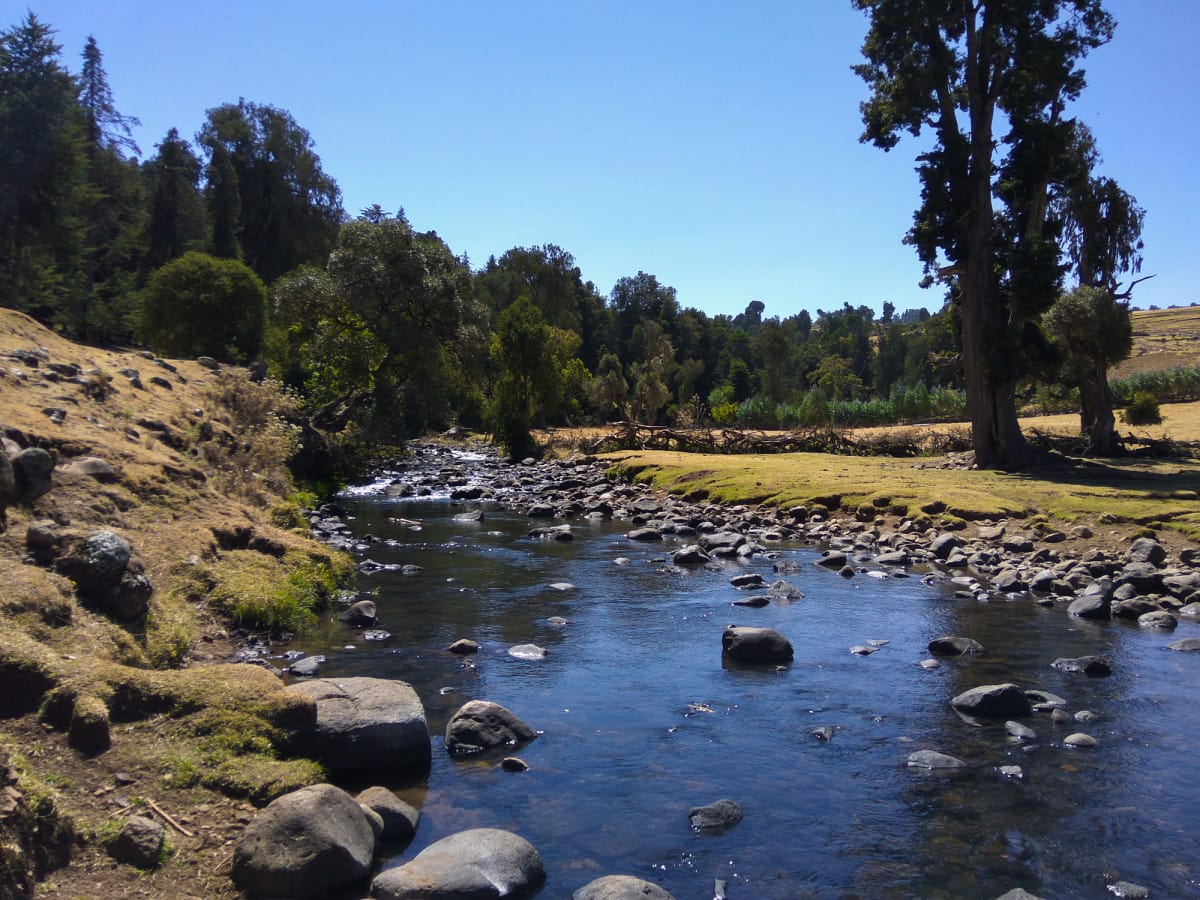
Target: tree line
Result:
[235, 244]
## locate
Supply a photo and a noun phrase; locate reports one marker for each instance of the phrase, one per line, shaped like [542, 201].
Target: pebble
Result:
[1079, 739]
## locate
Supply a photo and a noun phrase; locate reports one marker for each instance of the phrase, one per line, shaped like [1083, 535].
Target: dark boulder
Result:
[481, 725]
[305, 844]
[756, 645]
[993, 701]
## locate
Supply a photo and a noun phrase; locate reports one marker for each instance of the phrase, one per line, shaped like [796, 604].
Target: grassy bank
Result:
[187, 464]
[1122, 496]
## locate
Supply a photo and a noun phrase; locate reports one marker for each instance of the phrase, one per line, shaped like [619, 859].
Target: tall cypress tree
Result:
[224, 204]
[176, 221]
[42, 170]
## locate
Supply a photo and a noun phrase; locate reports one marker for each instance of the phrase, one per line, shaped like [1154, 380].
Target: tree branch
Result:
[1128, 292]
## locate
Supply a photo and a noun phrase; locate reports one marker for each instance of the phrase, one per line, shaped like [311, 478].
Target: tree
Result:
[774, 348]
[104, 126]
[224, 204]
[376, 335]
[608, 389]
[199, 305]
[956, 68]
[638, 299]
[290, 210]
[42, 171]
[176, 220]
[1093, 329]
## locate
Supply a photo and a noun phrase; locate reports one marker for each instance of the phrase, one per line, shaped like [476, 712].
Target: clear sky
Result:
[713, 144]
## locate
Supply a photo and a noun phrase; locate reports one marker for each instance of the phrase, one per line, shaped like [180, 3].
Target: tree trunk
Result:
[1096, 417]
[990, 382]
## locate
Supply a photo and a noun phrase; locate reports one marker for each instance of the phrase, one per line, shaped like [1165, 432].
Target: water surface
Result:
[642, 720]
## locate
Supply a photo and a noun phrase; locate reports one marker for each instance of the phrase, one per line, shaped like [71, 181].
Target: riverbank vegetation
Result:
[304, 340]
[235, 244]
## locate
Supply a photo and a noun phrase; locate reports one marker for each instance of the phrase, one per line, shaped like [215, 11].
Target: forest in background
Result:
[235, 244]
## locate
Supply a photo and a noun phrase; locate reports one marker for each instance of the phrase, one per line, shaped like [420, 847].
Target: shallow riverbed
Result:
[641, 720]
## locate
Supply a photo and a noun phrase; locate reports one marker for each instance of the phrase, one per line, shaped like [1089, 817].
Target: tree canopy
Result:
[990, 81]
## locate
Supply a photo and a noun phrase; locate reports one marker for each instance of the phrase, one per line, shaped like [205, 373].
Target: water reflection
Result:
[642, 720]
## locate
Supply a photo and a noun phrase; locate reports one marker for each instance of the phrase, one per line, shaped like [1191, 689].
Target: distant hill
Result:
[1162, 339]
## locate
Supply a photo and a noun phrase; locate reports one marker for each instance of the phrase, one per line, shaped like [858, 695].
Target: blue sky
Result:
[712, 144]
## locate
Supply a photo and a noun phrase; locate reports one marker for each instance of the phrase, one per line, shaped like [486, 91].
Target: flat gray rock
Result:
[932, 759]
[621, 887]
[365, 724]
[478, 864]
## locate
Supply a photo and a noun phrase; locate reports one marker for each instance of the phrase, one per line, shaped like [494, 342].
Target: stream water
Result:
[641, 720]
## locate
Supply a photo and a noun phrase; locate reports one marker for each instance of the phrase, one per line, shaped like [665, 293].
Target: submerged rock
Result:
[995, 701]
[479, 863]
[954, 646]
[481, 725]
[621, 887]
[932, 759]
[716, 816]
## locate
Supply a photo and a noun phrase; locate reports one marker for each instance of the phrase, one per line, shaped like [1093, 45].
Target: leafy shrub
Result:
[199, 305]
[1142, 410]
[725, 413]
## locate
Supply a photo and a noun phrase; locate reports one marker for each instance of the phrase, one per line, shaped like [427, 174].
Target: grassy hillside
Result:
[1162, 339]
[192, 475]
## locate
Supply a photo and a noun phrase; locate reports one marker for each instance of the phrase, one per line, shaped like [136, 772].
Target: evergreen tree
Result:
[288, 210]
[176, 221]
[224, 204]
[103, 125]
[42, 170]
[990, 81]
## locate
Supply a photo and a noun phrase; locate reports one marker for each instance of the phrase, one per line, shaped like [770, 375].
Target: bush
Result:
[508, 420]
[199, 305]
[1142, 410]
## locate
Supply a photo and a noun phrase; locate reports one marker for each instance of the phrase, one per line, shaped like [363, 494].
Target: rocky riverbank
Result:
[1143, 582]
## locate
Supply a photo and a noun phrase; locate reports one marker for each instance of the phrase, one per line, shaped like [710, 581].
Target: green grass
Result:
[1135, 492]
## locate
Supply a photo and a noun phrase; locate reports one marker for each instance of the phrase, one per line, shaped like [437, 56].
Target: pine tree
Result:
[42, 169]
[104, 126]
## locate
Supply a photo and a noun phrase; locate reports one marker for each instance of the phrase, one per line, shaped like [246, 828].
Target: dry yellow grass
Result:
[1162, 340]
[198, 492]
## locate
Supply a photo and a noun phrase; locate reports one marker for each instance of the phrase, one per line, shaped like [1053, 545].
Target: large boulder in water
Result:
[481, 725]
[477, 864]
[305, 844]
[756, 645]
[621, 887]
[993, 701]
[365, 724]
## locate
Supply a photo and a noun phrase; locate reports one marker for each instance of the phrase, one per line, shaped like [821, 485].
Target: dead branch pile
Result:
[816, 439]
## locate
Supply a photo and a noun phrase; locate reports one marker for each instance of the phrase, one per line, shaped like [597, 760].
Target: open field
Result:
[1162, 339]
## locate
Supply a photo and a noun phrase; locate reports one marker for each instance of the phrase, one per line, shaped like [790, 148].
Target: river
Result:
[641, 720]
